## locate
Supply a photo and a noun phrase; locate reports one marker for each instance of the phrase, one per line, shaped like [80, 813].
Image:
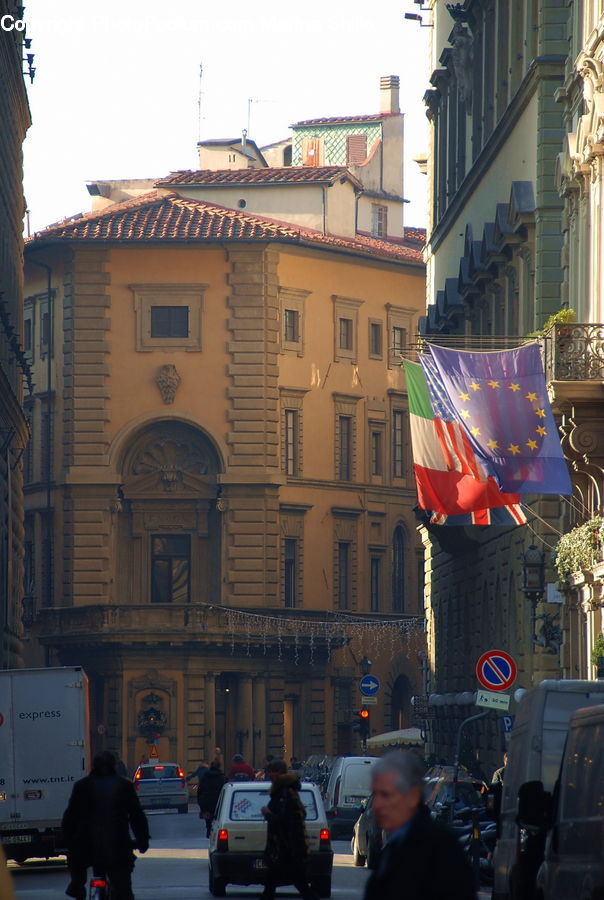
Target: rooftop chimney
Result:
[389, 91]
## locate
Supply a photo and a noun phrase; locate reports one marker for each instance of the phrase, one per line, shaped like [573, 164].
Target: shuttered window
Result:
[356, 149]
[312, 152]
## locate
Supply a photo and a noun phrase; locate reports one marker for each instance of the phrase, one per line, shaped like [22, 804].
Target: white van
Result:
[349, 784]
[534, 754]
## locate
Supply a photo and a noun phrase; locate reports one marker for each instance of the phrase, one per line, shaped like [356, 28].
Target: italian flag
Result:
[451, 479]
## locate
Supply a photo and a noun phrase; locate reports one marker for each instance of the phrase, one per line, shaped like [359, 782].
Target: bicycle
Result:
[100, 888]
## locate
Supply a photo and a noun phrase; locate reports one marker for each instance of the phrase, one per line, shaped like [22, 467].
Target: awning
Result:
[402, 738]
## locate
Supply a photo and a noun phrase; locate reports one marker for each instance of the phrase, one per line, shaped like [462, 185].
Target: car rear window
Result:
[357, 780]
[246, 806]
[158, 772]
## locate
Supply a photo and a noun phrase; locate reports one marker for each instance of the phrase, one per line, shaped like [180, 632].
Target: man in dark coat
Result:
[421, 859]
[286, 854]
[208, 792]
[96, 826]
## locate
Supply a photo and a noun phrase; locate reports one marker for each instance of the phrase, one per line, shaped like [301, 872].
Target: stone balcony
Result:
[574, 364]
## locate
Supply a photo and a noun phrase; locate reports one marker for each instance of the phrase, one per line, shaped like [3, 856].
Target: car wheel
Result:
[184, 809]
[217, 886]
[322, 887]
[358, 858]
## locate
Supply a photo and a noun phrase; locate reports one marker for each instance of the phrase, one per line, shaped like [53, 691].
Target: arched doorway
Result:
[400, 703]
[169, 529]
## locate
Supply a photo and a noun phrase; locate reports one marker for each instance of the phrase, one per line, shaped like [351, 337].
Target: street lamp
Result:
[365, 666]
[533, 581]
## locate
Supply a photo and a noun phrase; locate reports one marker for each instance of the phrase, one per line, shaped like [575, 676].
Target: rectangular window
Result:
[356, 149]
[397, 443]
[169, 321]
[343, 574]
[170, 568]
[290, 573]
[291, 441]
[399, 338]
[44, 332]
[27, 335]
[345, 334]
[376, 453]
[46, 441]
[345, 458]
[379, 220]
[375, 339]
[291, 330]
[376, 576]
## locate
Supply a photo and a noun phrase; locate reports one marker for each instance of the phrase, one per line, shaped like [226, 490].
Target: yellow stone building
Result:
[15, 120]
[220, 443]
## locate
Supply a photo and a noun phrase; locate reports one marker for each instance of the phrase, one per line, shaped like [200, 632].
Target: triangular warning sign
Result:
[154, 754]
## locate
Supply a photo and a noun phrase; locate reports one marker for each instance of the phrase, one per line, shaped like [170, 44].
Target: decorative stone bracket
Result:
[168, 381]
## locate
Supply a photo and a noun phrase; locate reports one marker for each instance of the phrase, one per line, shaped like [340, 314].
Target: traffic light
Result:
[362, 723]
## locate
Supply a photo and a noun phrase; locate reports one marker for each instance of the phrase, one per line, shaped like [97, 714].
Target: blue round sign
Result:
[369, 685]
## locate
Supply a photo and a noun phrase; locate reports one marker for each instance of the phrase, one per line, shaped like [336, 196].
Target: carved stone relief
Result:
[168, 381]
[463, 58]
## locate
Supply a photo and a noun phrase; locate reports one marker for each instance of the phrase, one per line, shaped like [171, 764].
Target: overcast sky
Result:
[117, 84]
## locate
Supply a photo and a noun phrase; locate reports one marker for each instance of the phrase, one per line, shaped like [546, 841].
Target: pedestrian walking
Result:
[199, 772]
[96, 826]
[208, 791]
[499, 774]
[421, 859]
[239, 770]
[286, 854]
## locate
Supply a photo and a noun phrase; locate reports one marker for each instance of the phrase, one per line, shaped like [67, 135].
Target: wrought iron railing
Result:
[571, 352]
[574, 352]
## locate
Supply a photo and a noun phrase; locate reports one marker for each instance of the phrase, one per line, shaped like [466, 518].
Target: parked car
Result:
[573, 818]
[367, 838]
[162, 786]
[534, 755]
[440, 791]
[238, 837]
[349, 785]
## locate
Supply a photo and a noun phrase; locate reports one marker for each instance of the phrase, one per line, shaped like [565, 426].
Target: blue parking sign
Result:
[507, 723]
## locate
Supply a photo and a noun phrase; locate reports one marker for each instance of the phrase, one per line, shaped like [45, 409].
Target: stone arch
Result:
[129, 433]
[169, 447]
[402, 685]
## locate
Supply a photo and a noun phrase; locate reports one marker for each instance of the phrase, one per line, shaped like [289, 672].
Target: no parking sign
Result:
[496, 670]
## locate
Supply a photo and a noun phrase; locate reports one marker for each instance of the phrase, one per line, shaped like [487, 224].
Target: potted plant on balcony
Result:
[597, 655]
[579, 551]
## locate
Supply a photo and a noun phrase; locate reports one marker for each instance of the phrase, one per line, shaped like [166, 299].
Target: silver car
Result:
[162, 786]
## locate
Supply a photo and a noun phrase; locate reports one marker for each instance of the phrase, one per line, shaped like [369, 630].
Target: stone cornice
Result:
[543, 68]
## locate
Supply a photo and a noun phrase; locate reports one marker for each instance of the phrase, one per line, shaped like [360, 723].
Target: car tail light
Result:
[223, 839]
[324, 839]
[98, 883]
[138, 775]
[181, 774]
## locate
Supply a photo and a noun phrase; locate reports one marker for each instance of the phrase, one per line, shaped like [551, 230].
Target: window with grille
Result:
[376, 453]
[170, 568]
[27, 335]
[44, 332]
[345, 448]
[379, 220]
[397, 443]
[375, 580]
[356, 149]
[398, 570]
[375, 339]
[291, 441]
[291, 329]
[343, 574]
[169, 321]
[345, 334]
[399, 338]
[290, 571]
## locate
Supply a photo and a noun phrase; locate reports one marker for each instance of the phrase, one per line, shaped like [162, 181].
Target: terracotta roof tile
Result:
[336, 120]
[161, 217]
[271, 175]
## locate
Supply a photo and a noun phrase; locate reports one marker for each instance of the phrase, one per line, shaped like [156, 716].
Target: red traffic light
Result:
[364, 713]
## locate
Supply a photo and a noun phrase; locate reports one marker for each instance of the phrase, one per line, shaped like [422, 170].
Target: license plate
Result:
[259, 864]
[16, 839]
[354, 799]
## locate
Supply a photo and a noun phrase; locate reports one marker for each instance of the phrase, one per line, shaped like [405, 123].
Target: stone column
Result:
[244, 715]
[210, 715]
[259, 719]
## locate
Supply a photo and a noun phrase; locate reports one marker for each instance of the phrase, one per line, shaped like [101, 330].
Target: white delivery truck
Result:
[44, 749]
[534, 754]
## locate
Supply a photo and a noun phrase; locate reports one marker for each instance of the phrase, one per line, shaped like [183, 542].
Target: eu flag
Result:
[501, 399]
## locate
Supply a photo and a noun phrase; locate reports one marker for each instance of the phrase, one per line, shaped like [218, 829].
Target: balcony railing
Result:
[574, 352]
[571, 352]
